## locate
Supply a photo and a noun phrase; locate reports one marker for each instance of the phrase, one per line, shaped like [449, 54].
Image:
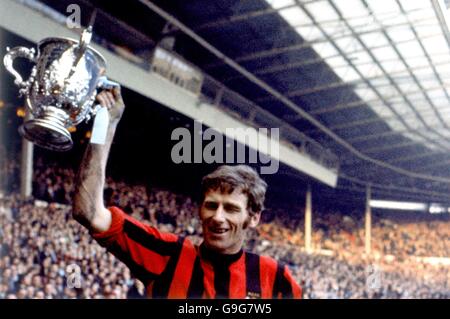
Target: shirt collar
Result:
[217, 258]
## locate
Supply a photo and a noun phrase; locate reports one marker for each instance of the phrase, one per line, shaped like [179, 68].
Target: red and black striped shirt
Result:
[170, 266]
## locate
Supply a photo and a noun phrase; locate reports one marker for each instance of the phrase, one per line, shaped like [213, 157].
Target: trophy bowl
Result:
[61, 89]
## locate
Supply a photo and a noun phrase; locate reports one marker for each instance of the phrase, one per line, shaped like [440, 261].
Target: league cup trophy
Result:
[61, 89]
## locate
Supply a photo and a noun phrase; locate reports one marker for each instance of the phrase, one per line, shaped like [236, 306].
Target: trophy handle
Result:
[105, 84]
[102, 84]
[11, 55]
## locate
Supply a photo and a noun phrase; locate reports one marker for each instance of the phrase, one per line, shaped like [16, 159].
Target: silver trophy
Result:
[61, 89]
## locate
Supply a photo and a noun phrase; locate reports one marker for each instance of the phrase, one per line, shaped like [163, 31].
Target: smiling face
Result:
[225, 219]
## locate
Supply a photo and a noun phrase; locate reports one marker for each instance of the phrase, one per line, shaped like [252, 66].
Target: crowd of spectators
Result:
[338, 231]
[44, 253]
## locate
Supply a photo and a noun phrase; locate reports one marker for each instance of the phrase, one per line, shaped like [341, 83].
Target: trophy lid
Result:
[71, 42]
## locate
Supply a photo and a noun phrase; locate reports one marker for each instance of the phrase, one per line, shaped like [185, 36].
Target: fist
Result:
[112, 100]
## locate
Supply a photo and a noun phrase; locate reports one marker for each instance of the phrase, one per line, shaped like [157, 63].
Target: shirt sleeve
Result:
[144, 249]
[294, 290]
[285, 285]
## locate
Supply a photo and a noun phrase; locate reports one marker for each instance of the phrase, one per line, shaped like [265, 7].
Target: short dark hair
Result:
[228, 178]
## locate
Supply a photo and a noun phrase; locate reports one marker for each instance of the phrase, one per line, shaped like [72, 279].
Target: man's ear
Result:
[254, 219]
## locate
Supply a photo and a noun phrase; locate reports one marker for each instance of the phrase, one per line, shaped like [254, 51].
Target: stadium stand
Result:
[40, 241]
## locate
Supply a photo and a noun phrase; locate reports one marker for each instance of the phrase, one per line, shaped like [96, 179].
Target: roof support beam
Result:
[299, 46]
[383, 187]
[339, 84]
[416, 157]
[389, 147]
[365, 138]
[290, 66]
[255, 14]
[394, 84]
[434, 165]
[418, 83]
[433, 67]
[241, 17]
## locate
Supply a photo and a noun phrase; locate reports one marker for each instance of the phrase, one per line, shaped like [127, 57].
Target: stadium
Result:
[341, 106]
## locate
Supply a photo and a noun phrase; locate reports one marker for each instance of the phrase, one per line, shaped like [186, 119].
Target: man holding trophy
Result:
[60, 93]
[170, 266]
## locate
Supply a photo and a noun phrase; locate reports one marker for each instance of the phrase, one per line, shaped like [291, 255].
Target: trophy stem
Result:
[49, 130]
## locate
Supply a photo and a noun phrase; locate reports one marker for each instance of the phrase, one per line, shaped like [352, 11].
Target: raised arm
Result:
[88, 206]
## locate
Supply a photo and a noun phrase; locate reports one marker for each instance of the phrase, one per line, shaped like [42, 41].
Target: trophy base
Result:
[48, 131]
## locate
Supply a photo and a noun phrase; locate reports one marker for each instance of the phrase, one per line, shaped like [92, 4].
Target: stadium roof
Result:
[367, 79]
